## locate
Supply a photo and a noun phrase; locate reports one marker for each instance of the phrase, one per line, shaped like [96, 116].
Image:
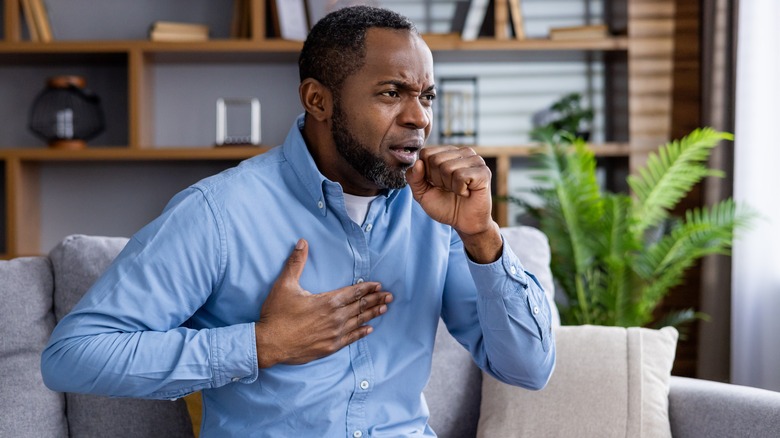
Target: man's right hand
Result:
[297, 326]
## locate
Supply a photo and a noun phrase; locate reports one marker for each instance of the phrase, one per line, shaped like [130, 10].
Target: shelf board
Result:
[437, 42]
[240, 153]
[447, 42]
[128, 154]
[600, 150]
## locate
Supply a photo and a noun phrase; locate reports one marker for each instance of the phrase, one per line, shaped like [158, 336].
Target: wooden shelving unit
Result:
[21, 163]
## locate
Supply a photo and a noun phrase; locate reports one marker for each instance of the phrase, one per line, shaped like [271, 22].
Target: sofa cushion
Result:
[27, 407]
[78, 261]
[453, 390]
[608, 382]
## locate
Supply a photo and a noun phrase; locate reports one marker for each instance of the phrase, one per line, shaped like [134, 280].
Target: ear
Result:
[316, 98]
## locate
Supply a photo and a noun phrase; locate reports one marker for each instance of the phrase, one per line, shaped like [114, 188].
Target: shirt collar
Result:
[297, 154]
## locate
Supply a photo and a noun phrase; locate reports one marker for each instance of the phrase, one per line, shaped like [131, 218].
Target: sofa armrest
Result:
[702, 408]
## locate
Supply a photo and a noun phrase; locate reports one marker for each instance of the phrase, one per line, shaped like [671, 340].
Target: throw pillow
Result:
[608, 382]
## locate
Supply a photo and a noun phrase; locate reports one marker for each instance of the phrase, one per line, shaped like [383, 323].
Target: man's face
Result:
[382, 115]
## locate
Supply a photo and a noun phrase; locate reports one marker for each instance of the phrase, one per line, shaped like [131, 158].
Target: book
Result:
[474, 19]
[579, 32]
[518, 24]
[161, 35]
[29, 18]
[240, 25]
[289, 19]
[175, 31]
[501, 19]
[177, 27]
[459, 17]
[41, 19]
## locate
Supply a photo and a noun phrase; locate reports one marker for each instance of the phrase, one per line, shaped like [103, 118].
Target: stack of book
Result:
[174, 31]
[37, 20]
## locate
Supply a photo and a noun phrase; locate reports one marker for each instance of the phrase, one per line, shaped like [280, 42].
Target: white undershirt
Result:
[357, 207]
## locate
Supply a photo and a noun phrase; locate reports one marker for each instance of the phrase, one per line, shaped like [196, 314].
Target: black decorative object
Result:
[65, 114]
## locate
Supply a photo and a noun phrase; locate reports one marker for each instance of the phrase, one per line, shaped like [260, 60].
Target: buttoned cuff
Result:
[504, 289]
[489, 277]
[234, 354]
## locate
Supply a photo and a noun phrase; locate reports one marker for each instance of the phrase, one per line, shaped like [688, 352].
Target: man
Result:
[336, 340]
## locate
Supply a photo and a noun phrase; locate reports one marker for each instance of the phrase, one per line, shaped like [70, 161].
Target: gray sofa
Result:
[37, 291]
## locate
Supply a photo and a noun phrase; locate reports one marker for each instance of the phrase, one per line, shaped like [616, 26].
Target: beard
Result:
[357, 155]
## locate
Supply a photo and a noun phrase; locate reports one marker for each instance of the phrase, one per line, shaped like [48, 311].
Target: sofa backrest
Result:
[27, 407]
[453, 393]
[77, 262]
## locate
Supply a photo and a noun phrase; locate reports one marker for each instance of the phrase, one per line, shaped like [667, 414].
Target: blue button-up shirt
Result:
[175, 312]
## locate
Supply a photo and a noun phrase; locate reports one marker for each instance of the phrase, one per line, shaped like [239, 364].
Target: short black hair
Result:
[336, 45]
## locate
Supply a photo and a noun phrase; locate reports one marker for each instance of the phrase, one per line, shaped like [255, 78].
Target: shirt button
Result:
[369, 227]
[320, 204]
[364, 384]
[513, 270]
[357, 434]
[359, 280]
[536, 310]
[235, 379]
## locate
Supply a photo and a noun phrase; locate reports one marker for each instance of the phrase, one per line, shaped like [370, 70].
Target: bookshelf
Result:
[134, 76]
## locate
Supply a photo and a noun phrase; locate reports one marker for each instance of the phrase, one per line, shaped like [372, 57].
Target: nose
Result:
[415, 114]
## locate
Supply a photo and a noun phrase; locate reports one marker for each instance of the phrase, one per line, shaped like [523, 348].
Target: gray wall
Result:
[118, 198]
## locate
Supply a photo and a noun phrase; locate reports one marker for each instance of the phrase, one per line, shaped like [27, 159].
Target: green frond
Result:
[681, 320]
[670, 174]
[704, 232]
[586, 300]
[574, 201]
[580, 201]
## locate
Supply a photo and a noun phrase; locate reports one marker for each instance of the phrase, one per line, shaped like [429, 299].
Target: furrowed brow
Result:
[406, 86]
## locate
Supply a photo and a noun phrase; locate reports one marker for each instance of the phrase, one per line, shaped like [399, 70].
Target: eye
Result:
[391, 93]
[427, 99]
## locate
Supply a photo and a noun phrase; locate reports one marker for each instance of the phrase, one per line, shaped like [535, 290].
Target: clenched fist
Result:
[452, 185]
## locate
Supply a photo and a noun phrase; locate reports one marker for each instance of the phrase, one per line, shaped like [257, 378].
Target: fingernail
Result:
[382, 309]
[299, 245]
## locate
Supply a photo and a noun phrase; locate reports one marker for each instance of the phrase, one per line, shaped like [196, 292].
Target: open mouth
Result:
[406, 154]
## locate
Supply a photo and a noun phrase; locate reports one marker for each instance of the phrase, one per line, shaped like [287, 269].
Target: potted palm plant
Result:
[616, 255]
